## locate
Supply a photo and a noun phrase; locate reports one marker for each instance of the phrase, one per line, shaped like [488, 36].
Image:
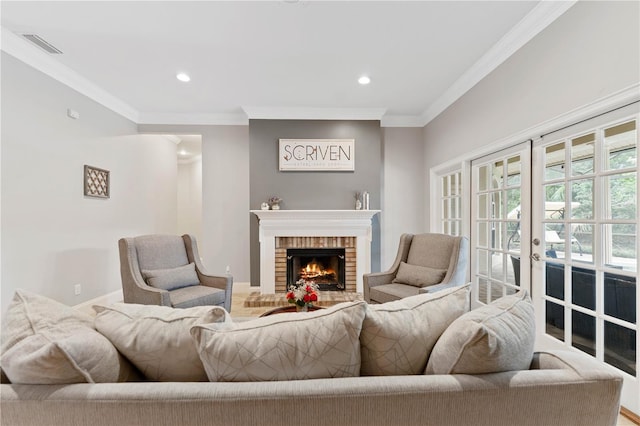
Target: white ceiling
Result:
[273, 59]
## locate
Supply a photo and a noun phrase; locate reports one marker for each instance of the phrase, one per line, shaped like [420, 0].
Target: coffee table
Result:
[285, 309]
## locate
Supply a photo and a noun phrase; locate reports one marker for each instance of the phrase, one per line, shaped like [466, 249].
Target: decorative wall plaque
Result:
[96, 182]
[317, 155]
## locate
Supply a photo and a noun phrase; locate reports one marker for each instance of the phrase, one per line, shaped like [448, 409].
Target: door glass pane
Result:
[514, 170]
[583, 287]
[455, 184]
[620, 146]
[497, 174]
[582, 199]
[483, 263]
[497, 291]
[620, 297]
[581, 242]
[554, 319]
[554, 201]
[583, 332]
[515, 263]
[497, 269]
[513, 237]
[513, 203]
[554, 277]
[483, 178]
[483, 206]
[554, 162]
[483, 290]
[622, 240]
[445, 186]
[498, 208]
[622, 192]
[553, 242]
[582, 150]
[620, 347]
[496, 242]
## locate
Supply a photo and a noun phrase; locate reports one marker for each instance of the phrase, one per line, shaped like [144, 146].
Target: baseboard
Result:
[630, 415]
[107, 299]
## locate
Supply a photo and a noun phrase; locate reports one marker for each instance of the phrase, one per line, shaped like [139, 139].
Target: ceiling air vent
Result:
[42, 43]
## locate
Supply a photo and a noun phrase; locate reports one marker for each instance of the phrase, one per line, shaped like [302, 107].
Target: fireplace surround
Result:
[282, 229]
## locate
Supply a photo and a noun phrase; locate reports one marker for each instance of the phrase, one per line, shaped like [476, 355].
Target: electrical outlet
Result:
[78, 289]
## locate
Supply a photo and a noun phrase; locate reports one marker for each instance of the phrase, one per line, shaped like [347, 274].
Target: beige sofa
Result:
[560, 388]
[421, 360]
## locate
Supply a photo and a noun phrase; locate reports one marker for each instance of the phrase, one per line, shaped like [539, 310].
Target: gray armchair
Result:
[425, 263]
[166, 270]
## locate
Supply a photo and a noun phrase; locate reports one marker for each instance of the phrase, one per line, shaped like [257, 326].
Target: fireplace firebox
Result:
[323, 266]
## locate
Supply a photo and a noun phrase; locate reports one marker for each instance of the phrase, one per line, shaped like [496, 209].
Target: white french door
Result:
[500, 231]
[585, 245]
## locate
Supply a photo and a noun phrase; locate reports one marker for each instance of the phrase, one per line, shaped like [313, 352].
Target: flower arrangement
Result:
[303, 294]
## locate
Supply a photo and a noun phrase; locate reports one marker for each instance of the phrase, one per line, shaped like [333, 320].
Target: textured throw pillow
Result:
[398, 336]
[46, 342]
[156, 339]
[497, 337]
[418, 276]
[291, 346]
[173, 278]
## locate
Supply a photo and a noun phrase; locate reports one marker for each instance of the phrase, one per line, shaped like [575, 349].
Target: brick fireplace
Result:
[281, 230]
[285, 245]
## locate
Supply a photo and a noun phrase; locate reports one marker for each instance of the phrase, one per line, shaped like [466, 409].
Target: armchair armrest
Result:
[147, 295]
[438, 287]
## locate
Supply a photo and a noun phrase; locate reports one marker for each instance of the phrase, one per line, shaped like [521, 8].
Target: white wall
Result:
[52, 236]
[190, 198]
[593, 50]
[225, 195]
[403, 192]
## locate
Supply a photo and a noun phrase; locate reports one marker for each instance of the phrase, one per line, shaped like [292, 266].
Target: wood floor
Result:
[242, 291]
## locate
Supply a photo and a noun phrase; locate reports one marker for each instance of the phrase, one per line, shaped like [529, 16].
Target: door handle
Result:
[535, 256]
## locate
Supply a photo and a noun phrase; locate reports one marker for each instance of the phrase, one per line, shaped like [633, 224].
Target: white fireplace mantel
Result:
[313, 223]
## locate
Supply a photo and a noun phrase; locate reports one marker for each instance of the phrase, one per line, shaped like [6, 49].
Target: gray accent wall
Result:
[313, 190]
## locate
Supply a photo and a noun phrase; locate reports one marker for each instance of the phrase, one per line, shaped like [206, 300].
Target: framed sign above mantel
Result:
[334, 155]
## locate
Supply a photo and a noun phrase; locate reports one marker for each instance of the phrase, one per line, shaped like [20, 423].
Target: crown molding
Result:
[401, 121]
[194, 119]
[309, 113]
[24, 51]
[540, 17]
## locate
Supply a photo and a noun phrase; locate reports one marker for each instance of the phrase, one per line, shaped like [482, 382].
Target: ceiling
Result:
[273, 59]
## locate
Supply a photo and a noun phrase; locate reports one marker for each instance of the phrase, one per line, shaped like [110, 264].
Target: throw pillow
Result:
[46, 342]
[156, 339]
[418, 276]
[291, 346]
[497, 337]
[398, 336]
[173, 278]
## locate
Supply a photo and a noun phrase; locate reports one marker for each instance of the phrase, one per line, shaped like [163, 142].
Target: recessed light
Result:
[364, 80]
[183, 152]
[183, 77]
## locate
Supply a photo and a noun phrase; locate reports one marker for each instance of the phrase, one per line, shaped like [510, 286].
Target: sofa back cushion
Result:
[291, 346]
[397, 337]
[156, 339]
[47, 342]
[495, 338]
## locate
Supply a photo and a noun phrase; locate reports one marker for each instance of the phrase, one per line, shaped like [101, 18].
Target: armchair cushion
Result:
[46, 342]
[495, 338]
[172, 278]
[419, 276]
[156, 339]
[397, 337]
[292, 346]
